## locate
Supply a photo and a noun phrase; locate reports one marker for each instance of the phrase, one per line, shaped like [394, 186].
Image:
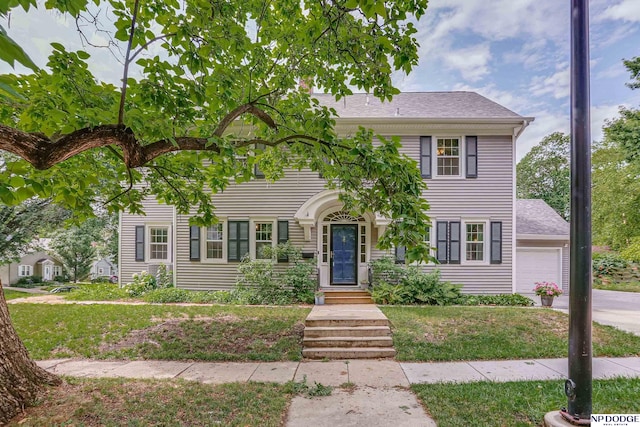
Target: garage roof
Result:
[536, 219]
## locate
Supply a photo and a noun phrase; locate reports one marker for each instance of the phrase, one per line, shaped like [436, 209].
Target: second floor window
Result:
[448, 156]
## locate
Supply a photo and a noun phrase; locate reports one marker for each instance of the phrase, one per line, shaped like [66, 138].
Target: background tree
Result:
[20, 225]
[544, 173]
[616, 175]
[77, 247]
[206, 82]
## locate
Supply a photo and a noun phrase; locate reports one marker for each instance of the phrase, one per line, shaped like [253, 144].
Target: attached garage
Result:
[536, 265]
[542, 246]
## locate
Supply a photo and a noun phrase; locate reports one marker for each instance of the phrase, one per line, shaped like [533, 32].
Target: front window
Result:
[159, 243]
[264, 237]
[101, 271]
[25, 270]
[214, 241]
[475, 241]
[448, 155]
[57, 270]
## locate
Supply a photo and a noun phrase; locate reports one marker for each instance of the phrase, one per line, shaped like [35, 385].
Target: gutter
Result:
[525, 123]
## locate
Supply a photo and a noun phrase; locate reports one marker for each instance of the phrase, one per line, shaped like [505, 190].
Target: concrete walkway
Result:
[364, 373]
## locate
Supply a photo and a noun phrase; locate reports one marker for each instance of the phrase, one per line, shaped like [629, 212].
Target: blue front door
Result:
[344, 254]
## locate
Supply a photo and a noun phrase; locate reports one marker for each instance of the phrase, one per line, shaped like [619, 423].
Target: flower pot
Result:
[320, 300]
[547, 300]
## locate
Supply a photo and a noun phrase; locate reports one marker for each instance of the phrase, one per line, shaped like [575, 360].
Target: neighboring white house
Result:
[465, 145]
[104, 267]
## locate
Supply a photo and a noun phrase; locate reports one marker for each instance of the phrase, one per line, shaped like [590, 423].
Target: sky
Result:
[514, 52]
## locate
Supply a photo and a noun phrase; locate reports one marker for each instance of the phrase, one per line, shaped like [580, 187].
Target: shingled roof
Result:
[534, 216]
[424, 105]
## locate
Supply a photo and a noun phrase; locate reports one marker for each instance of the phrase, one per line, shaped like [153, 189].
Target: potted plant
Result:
[547, 291]
[319, 295]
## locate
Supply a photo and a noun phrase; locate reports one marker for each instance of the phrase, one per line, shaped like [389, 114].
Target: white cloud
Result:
[627, 10]
[556, 85]
[471, 61]
[546, 122]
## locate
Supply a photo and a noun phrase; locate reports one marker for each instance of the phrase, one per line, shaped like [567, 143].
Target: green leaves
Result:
[11, 52]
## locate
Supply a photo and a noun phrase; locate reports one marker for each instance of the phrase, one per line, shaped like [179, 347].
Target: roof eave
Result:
[529, 236]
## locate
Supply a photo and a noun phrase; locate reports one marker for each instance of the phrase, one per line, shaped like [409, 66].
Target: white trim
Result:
[170, 234]
[563, 237]
[174, 251]
[486, 243]
[203, 244]
[252, 233]
[27, 273]
[120, 245]
[461, 157]
[513, 208]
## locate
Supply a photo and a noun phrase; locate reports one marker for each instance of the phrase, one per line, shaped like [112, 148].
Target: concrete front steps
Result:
[342, 331]
[347, 296]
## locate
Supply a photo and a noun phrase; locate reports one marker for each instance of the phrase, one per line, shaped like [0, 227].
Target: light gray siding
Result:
[486, 198]
[155, 214]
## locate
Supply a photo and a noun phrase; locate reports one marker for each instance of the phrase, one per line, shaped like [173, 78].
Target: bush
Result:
[144, 282]
[260, 281]
[606, 264]
[632, 252]
[500, 299]
[385, 270]
[100, 280]
[416, 287]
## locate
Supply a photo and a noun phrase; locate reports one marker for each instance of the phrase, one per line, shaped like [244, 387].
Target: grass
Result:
[11, 294]
[493, 333]
[524, 403]
[619, 286]
[116, 402]
[182, 333]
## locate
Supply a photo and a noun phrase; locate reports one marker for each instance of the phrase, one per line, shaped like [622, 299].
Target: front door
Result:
[47, 273]
[344, 255]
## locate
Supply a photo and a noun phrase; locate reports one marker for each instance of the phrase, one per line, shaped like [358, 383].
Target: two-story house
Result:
[465, 145]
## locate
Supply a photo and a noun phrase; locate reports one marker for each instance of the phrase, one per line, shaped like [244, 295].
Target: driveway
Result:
[619, 309]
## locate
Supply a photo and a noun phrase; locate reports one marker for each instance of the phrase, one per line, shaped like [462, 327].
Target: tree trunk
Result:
[20, 377]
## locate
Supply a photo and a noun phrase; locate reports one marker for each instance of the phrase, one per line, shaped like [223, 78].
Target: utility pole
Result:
[578, 387]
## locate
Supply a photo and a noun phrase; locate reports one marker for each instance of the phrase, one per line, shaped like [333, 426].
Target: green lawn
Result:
[487, 404]
[489, 333]
[621, 286]
[181, 333]
[117, 402]
[11, 294]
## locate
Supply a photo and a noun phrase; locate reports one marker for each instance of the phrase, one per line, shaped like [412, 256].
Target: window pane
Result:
[448, 154]
[214, 241]
[264, 233]
[475, 242]
[214, 250]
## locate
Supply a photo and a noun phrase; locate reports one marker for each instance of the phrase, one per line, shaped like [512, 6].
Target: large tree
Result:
[203, 83]
[544, 173]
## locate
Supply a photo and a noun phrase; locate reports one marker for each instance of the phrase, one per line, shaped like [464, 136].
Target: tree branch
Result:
[127, 61]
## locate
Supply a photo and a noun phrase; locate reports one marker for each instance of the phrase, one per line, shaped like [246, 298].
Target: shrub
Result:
[100, 280]
[500, 299]
[416, 287]
[607, 263]
[142, 282]
[385, 270]
[168, 295]
[260, 281]
[632, 252]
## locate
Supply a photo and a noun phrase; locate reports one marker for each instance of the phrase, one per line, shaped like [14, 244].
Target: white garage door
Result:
[536, 265]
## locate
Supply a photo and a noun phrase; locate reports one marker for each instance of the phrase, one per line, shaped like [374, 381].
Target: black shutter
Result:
[401, 252]
[283, 237]
[238, 240]
[454, 243]
[472, 156]
[139, 242]
[256, 170]
[425, 156]
[441, 242]
[496, 242]
[194, 243]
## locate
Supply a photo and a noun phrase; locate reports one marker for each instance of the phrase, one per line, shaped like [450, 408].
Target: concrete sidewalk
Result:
[366, 373]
